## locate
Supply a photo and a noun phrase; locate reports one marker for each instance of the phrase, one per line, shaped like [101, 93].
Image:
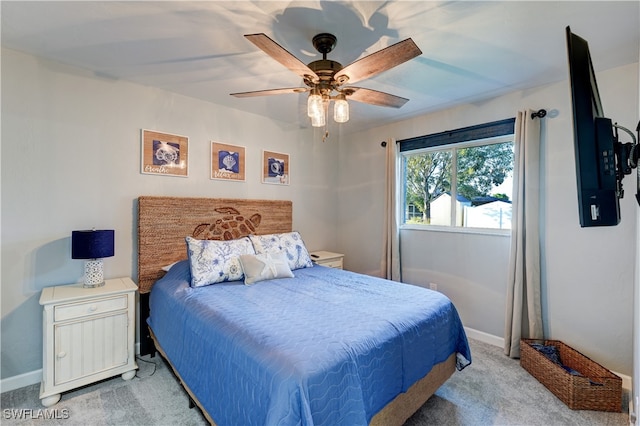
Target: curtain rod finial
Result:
[541, 113]
[383, 144]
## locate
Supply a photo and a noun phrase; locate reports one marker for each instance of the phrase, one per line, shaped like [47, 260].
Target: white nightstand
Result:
[327, 258]
[88, 335]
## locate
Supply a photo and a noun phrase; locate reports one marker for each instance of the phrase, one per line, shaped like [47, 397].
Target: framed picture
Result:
[227, 161]
[164, 154]
[275, 168]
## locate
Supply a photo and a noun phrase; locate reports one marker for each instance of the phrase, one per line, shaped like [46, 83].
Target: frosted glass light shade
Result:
[314, 105]
[341, 111]
[318, 120]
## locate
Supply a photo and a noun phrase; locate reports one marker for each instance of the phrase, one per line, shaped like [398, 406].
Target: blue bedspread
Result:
[328, 347]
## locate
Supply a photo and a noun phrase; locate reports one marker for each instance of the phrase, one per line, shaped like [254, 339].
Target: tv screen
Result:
[594, 142]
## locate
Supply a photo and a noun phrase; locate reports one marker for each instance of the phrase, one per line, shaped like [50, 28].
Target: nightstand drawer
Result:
[328, 258]
[332, 263]
[78, 310]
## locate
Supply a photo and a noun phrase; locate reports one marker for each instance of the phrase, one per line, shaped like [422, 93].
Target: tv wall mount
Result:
[627, 157]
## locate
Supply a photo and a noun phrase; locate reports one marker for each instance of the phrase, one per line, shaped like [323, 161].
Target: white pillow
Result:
[267, 266]
[168, 267]
[290, 242]
[213, 261]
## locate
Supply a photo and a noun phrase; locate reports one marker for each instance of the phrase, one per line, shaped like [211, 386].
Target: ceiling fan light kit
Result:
[341, 109]
[318, 120]
[325, 79]
[314, 103]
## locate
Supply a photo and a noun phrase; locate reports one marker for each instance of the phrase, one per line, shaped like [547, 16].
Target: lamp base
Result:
[93, 273]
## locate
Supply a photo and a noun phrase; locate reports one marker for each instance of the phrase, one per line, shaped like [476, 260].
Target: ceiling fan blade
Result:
[377, 62]
[374, 97]
[270, 92]
[282, 55]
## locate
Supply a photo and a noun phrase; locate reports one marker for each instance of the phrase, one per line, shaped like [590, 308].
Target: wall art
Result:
[164, 154]
[275, 168]
[227, 161]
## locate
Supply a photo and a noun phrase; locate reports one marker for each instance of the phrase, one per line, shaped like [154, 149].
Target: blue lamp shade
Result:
[92, 244]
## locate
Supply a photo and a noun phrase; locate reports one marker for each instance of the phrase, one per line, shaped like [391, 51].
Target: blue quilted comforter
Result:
[328, 347]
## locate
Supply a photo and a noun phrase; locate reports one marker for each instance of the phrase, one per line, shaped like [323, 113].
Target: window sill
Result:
[458, 230]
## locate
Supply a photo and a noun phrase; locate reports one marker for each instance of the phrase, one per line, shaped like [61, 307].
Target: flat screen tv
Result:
[601, 161]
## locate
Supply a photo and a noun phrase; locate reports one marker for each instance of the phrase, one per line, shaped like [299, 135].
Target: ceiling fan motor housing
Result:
[325, 70]
[324, 43]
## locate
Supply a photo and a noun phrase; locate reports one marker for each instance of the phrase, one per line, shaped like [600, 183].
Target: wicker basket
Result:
[598, 389]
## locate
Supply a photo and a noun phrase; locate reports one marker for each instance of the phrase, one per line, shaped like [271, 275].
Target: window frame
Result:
[453, 146]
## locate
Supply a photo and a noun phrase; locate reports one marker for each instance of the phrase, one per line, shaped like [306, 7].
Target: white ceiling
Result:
[471, 50]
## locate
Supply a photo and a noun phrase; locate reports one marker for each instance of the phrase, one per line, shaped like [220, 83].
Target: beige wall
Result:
[587, 274]
[71, 160]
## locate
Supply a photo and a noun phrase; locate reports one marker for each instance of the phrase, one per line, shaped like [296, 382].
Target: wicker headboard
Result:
[164, 222]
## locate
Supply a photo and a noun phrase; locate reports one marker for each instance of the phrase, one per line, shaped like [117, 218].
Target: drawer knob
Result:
[62, 354]
[93, 308]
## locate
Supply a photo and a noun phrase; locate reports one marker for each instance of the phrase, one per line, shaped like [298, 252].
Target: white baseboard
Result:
[484, 337]
[20, 381]
[31, 378]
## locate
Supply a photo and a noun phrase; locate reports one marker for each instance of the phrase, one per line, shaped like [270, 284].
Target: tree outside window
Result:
[477, 175]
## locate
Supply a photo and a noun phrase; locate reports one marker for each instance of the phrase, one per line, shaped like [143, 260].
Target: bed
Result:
[325, 346]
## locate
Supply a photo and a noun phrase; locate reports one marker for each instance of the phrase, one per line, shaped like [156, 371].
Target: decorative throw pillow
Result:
[267, 266]
[168, 267]
[290, 242]
[216, 261]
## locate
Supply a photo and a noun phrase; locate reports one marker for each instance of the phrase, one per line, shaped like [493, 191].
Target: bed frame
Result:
[163, 224]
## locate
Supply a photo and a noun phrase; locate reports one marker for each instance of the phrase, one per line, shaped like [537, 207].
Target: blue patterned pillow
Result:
[216, 261]
[291, 243]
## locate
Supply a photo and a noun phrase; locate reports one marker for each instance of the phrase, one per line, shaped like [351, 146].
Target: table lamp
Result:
[92, 245]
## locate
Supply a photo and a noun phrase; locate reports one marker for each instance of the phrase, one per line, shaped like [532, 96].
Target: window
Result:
[460, 178]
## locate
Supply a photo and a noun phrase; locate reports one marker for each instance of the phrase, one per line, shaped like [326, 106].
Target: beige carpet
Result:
[493, 390]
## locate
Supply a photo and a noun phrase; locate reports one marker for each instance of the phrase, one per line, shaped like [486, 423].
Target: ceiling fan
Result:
[328, 80]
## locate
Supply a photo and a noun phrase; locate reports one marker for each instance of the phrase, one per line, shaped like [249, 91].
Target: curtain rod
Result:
[541, 113]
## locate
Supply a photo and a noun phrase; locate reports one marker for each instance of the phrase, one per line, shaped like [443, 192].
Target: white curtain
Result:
[392, 214]
[523, 317]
